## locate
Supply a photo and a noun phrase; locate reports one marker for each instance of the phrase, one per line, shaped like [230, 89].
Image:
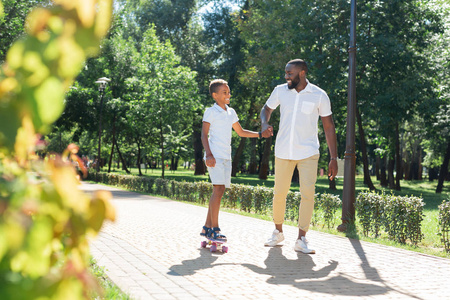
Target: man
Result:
[297, 144]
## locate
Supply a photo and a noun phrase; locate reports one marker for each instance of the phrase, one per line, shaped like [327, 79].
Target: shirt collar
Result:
[307, 89]
[220, 108]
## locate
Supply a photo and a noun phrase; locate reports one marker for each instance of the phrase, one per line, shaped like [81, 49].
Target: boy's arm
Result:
[244, 132]
[210, 160]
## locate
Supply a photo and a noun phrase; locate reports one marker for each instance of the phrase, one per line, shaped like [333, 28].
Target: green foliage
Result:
[292, 205]
[328, 204]
[370, 208]
[45, 220]
[242, 197]
[400, 217]
[444, 224]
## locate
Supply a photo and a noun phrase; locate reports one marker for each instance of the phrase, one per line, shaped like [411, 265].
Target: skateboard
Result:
[214, 245]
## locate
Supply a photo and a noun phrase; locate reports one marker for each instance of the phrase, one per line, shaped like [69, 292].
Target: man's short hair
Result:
[300, 63]
[214, 85]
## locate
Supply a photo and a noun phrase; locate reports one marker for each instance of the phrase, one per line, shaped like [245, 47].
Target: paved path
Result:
[153, 251]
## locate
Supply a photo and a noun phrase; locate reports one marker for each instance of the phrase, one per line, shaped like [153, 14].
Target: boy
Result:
[218, 121]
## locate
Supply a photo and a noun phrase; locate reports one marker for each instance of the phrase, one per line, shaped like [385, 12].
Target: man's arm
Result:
[330, 134]
[266, 129]
[210, 160]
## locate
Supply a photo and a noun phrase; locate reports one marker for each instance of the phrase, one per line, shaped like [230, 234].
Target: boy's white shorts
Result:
[221, 173]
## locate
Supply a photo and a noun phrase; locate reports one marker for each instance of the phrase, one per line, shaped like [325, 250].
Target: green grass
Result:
[421, 188]
[110, 290]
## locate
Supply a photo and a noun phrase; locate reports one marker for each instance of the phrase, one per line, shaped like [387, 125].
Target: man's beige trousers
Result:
[284, 169]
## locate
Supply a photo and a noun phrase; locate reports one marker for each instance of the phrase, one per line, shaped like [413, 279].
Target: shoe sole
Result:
[306, 251]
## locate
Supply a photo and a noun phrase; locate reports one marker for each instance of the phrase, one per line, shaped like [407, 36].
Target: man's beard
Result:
[294, 82]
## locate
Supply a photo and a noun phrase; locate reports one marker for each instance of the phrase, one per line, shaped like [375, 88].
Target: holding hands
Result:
[267, 131]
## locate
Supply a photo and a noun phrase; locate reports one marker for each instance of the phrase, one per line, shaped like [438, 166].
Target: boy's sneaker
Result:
[301, 245]
[276, 238]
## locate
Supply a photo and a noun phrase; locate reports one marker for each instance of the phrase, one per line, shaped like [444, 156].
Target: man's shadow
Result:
[301, 274]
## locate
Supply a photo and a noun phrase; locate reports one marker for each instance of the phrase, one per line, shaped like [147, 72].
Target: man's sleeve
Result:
[273, 100]
[325, 106]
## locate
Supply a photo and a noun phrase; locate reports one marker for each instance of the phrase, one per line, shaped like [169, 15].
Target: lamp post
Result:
[348, 195]
[102, 82]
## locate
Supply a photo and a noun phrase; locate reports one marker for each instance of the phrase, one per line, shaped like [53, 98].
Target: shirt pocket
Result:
[308, 107]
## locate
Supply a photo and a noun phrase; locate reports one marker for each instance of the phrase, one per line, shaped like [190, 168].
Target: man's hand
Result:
[210, 161]
[332, 169]
[267, 132]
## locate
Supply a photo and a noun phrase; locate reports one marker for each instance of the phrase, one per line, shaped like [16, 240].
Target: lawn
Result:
[421, 188]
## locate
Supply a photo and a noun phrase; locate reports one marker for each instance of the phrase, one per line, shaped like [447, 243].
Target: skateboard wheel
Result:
[225, 249]
[203, 244]
[213, 248]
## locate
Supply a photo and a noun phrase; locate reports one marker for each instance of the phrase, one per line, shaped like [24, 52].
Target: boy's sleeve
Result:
[207, 116]
[273, 100]
[325, 106]
[235, 117]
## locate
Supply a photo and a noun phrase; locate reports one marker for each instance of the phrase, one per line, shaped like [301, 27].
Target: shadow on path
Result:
[301, 274]
[191, 266]
[370, 272]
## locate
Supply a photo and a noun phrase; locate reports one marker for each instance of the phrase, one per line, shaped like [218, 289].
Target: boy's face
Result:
[222, 96]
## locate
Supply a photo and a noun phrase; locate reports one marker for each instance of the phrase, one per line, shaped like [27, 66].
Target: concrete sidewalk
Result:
[153, 251]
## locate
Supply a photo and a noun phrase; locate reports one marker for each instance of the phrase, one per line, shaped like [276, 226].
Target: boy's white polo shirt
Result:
[297, 136]
[221, 122]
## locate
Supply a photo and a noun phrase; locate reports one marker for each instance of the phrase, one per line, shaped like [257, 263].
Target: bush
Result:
[401, 217]
[370, 210]
[444, 224]
[45, 219]
[328, 205]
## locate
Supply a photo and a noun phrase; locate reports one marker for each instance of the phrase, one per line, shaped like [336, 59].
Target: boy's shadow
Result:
[191, 266]
[300, 273]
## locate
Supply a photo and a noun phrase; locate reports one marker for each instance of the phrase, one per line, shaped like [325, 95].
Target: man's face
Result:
[292, 75]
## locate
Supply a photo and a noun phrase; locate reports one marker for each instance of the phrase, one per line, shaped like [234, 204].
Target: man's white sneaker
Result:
[276, 238]
[301, 245]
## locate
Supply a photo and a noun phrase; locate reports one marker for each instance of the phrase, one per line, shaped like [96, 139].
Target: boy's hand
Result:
[210, 161]
[268, 132]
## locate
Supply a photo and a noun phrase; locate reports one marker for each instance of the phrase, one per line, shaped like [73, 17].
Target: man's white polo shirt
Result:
[297, 136]
[221, 122]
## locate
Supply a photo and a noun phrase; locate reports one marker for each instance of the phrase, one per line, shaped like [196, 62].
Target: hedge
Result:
[444, 224]
[398, 217]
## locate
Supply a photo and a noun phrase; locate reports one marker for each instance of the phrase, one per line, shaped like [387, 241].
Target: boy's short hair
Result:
[214, 85]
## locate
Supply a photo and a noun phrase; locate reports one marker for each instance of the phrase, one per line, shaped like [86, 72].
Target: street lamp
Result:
[348, 195]
[102, 82]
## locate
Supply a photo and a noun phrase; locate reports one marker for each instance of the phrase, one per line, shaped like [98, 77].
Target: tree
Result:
[12, 22]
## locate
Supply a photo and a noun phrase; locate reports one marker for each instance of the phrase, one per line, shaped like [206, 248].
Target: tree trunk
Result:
[377, 167]
[362, 141]
[113, 142]
[444, 170]
[391, 179]
[200, 168]
[252, 168]
[398, 159]
[161, 144]
[139, 157]
[383, 178]
[124, 164]
[332, 184]
[419, 160]
[237, 157]
[264, 167]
